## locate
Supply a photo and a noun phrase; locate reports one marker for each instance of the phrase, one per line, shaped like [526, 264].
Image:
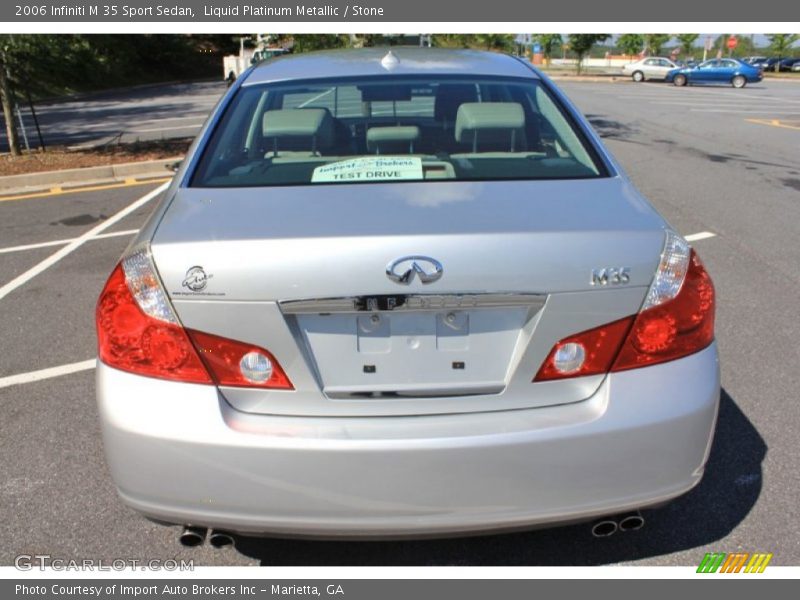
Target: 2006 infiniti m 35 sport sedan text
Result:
[403, 293]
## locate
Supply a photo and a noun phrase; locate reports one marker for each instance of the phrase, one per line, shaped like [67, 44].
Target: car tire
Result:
[637, 76]
[679, 80]
[739, 81]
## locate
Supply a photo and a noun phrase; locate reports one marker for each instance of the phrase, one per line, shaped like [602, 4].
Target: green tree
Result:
[496, 41]
[686, 41]
[549, 42]
[631, 43]
[781, 43]
[655, 42]
[307, 42]
[581, 44]
[452, 40]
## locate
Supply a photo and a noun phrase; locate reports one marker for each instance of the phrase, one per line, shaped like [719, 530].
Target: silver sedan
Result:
[403, 293]
[653, 67]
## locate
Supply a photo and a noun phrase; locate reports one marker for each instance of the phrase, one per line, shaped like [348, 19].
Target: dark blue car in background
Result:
[728, 71]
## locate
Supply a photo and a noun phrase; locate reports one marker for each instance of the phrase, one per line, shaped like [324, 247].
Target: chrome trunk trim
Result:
[410, 302]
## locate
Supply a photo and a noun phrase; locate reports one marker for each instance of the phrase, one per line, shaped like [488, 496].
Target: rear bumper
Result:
[179, 453]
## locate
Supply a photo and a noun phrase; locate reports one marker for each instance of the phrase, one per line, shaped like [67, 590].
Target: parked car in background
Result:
[766, 64]
[754, 60]
[796, 67]
[720, 71]
[652, 67]
[403, 293]
[788, 64]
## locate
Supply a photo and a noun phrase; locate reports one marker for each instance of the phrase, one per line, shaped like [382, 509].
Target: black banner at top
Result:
[222, 11]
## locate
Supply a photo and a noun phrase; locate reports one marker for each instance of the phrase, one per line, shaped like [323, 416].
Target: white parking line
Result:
[78, 242]
[703, 235]
[47, 373]
[102, 236]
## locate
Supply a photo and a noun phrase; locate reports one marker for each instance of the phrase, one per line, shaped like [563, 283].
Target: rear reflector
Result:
[681, 323]
[138, 332]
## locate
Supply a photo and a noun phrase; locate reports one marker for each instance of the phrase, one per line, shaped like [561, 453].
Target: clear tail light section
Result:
[138, 332]
[676, 320]
[675, 328]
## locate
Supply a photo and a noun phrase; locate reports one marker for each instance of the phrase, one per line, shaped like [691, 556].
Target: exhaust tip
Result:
[220, 539]
[192, 536]
[604, 528]
[631, 522]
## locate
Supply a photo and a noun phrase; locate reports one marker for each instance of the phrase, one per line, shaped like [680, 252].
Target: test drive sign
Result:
[732, 41]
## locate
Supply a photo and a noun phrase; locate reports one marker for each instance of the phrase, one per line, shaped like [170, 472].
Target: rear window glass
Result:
[379, 130]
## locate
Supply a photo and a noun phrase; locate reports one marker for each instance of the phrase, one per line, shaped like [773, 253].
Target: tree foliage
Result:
[484, 41]
[631, 43]
[655, 42]
[581, 44]
[549, 43]
[307, 42]
[687, 41]
[781, 43]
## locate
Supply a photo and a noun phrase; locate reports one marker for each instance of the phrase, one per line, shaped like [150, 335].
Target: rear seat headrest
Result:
[309, 128]
[492, 123]
[392, 139]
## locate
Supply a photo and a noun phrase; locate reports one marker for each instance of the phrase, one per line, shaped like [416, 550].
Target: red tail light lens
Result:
[223, 357]
[600, 347]
[668, 331]
[152, 342]
[675, 329]
[130, 340]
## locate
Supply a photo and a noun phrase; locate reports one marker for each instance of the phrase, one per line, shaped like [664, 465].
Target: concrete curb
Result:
[46, 180]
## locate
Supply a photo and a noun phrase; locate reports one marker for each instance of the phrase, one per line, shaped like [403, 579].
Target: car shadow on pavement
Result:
[709, 512]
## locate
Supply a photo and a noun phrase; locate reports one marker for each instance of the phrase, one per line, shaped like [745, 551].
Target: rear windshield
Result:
[369, 130]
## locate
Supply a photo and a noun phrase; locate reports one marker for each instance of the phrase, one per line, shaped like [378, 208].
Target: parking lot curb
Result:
[68, 178]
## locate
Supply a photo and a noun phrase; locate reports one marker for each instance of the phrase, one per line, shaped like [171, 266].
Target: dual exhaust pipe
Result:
[193, 536]
[632, 521]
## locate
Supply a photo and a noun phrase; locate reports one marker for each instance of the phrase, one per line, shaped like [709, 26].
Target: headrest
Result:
[489, 121]
[314, 124]
[392, 139]
[449, 96]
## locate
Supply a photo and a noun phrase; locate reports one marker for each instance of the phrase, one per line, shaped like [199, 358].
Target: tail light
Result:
[138, 332]
[676, 319]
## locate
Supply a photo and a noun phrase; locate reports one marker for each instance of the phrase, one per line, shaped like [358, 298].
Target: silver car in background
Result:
[652, 67]
[403, 293]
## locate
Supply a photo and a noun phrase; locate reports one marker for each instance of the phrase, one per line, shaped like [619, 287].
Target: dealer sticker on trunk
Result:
[370, 168]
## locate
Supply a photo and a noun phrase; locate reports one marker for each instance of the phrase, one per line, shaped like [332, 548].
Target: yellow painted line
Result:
[773, 123]
[58, 191]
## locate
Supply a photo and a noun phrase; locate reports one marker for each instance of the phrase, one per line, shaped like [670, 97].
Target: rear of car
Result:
[403, 294]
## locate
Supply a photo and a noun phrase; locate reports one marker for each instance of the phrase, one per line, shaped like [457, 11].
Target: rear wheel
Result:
[739, 81]
[680, 80]
[638, 76]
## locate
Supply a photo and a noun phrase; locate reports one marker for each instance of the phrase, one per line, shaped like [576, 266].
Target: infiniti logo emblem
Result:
[404, 269]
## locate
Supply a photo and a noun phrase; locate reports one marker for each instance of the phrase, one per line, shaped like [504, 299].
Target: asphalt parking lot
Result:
[715, 161]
